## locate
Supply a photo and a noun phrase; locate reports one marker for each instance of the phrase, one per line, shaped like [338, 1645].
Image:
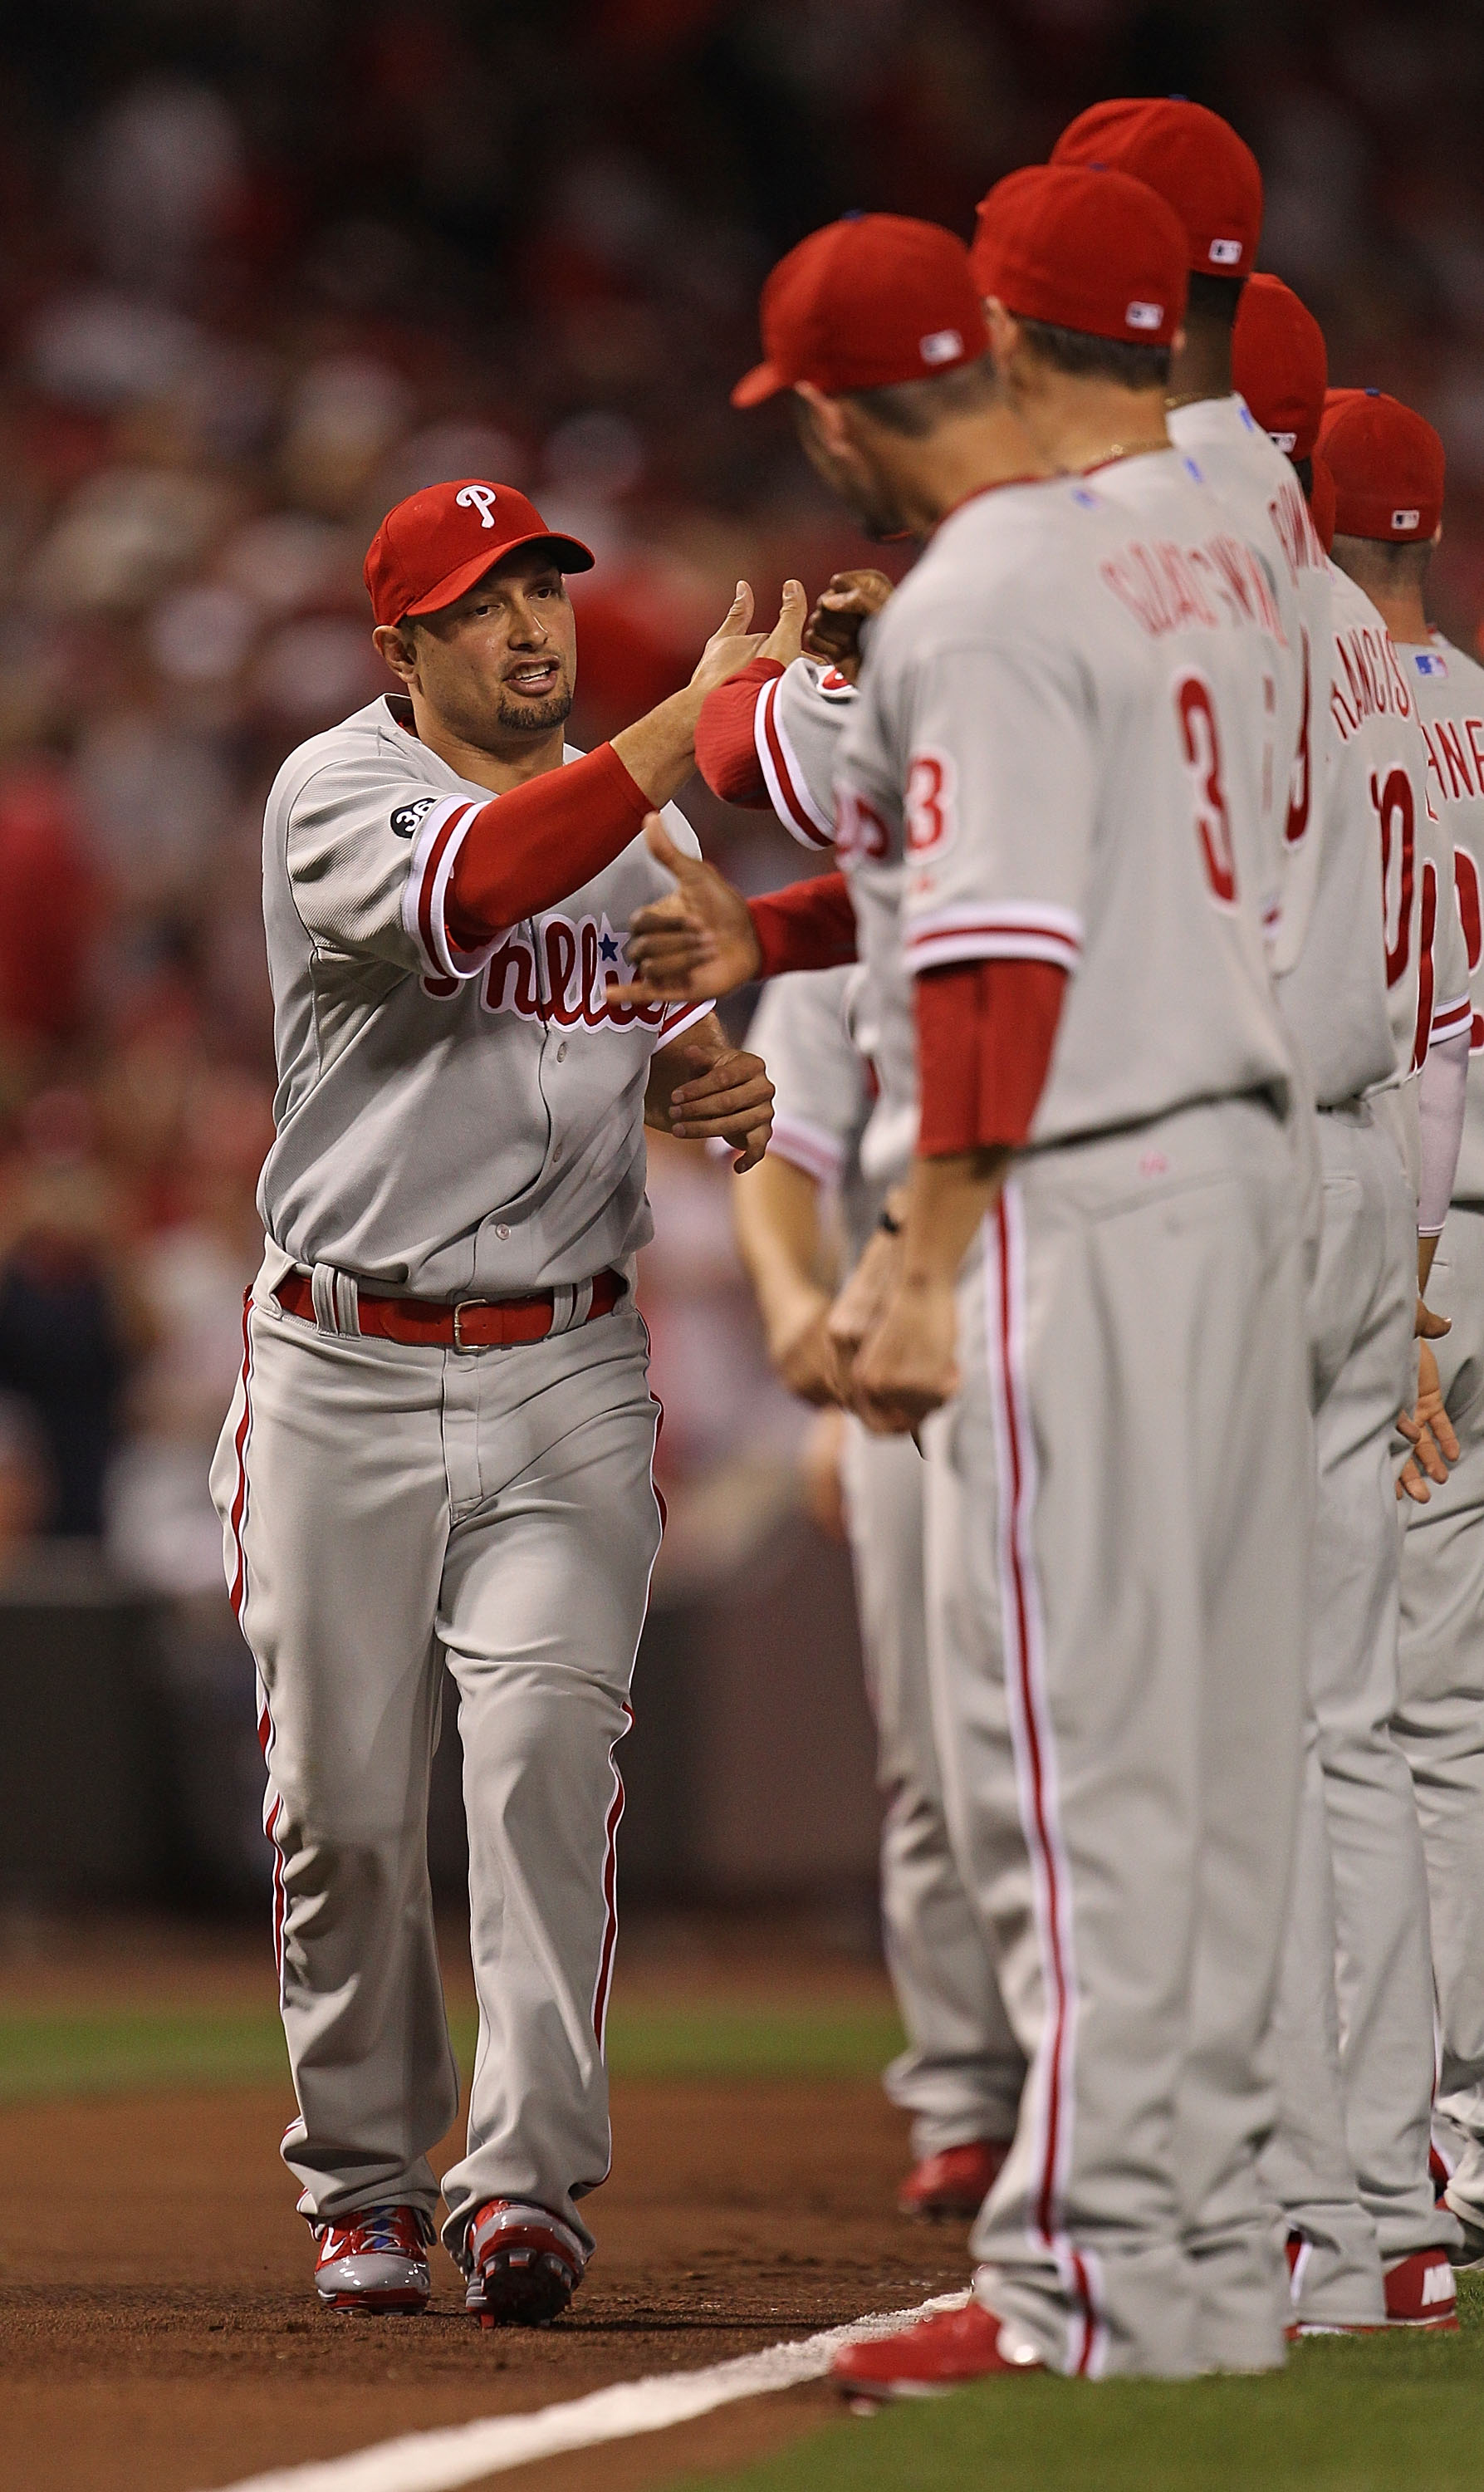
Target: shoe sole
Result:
[409, 2305]
[1443, 2326]
[523, 2289]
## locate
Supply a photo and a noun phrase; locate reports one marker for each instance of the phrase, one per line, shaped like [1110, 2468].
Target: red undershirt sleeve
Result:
[726, 738]
[984, 1035]
[805, 925]
[526, 850]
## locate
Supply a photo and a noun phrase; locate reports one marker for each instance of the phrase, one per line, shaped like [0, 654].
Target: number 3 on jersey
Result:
[1201, 744]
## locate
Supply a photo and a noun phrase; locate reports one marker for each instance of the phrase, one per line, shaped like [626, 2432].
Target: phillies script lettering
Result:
[562, 976]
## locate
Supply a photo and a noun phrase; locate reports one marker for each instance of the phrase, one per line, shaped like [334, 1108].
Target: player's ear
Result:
[397, 648]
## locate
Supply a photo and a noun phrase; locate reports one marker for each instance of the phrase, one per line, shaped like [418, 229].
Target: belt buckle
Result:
[459, 1340]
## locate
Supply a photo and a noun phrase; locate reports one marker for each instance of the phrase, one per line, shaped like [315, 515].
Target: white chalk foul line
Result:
[437, 2461]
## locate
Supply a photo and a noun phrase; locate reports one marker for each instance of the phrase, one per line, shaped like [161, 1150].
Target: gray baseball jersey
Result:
[1448, 689]
[823, 1088]
[448, 1124]
[1367, 1014]
[797, 726]
[1252, 477]
[1054, 659]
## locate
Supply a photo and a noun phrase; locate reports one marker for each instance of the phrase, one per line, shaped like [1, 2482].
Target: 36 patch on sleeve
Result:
[405, 819]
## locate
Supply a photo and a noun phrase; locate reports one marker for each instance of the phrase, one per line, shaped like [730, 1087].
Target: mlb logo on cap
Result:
[1406, 518]
[1144, 316]
[943, 346]
[1225, 254]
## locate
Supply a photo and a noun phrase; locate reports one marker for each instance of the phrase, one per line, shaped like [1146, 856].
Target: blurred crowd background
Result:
[267, 265]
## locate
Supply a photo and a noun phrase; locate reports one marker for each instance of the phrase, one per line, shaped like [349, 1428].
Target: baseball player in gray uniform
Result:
[1382, 1022]
[441, 1442]
[1210, 179]
[1137, 1300]
[960, 2075]
[1440, 1720]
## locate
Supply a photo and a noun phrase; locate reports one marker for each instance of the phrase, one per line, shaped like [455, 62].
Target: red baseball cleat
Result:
[526, 2264]
[953, 2187]
[1419, 2292]
[943, 2352]
[378, 2260]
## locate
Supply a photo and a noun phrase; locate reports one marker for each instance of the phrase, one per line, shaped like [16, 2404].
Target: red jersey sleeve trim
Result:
[984, 1035]
[727, 750]
[787, 784]
[805, 925]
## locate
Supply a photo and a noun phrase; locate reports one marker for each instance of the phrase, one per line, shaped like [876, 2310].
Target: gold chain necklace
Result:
[1120, 450]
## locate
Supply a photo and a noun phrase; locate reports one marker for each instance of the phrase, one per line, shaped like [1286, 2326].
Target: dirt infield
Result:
[159, 2330]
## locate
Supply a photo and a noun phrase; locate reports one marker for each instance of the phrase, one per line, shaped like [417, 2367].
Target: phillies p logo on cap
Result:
[480, 498]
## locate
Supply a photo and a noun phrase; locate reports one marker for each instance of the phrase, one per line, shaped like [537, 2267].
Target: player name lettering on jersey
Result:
[1455, 755]
[562, 976]
[1168, 587]
[1296, 531]
[1367, 681]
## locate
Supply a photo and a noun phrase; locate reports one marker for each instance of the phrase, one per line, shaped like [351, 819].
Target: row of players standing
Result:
[1156, 840]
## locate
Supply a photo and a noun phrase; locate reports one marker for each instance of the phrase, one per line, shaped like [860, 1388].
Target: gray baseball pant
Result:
[1120, 1534]
[1440, 1721]
[385, 1505]
[961, 2073]
[1349, 2162]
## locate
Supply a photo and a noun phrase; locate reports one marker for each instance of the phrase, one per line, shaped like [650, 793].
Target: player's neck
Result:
[1200, 366]
[1080, 420]
[933, 476]
[500, 768]
[1403, 613]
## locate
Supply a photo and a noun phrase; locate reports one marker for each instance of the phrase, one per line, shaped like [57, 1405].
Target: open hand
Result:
[695, 944]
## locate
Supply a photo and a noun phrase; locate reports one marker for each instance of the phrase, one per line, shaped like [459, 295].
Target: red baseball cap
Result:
[1387, 464]
[1195, 161]
[863, 304]
[1082, 249]
[1279, 364]
[438, 543]
[1322, 500]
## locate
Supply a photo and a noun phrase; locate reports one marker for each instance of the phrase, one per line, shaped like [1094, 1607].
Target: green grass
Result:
[1389, 2413]
[115, 2051]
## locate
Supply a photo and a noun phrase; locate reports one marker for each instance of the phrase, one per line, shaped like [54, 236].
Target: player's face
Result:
[503, 660]
[844, 462]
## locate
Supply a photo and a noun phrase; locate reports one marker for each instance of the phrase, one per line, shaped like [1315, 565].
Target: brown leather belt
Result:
[474, 1323]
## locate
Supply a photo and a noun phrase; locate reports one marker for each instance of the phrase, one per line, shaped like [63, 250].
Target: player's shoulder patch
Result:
[405, 819]
[832, 686]
[1429, 662]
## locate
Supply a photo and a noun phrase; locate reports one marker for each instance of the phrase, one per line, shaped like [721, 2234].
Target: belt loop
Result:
[563, 1301]
[348, 1305]
[582, 1304]
[322, 1289]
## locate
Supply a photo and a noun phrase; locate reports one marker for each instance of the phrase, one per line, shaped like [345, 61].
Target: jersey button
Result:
[561, 1052]
[501, 1232]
